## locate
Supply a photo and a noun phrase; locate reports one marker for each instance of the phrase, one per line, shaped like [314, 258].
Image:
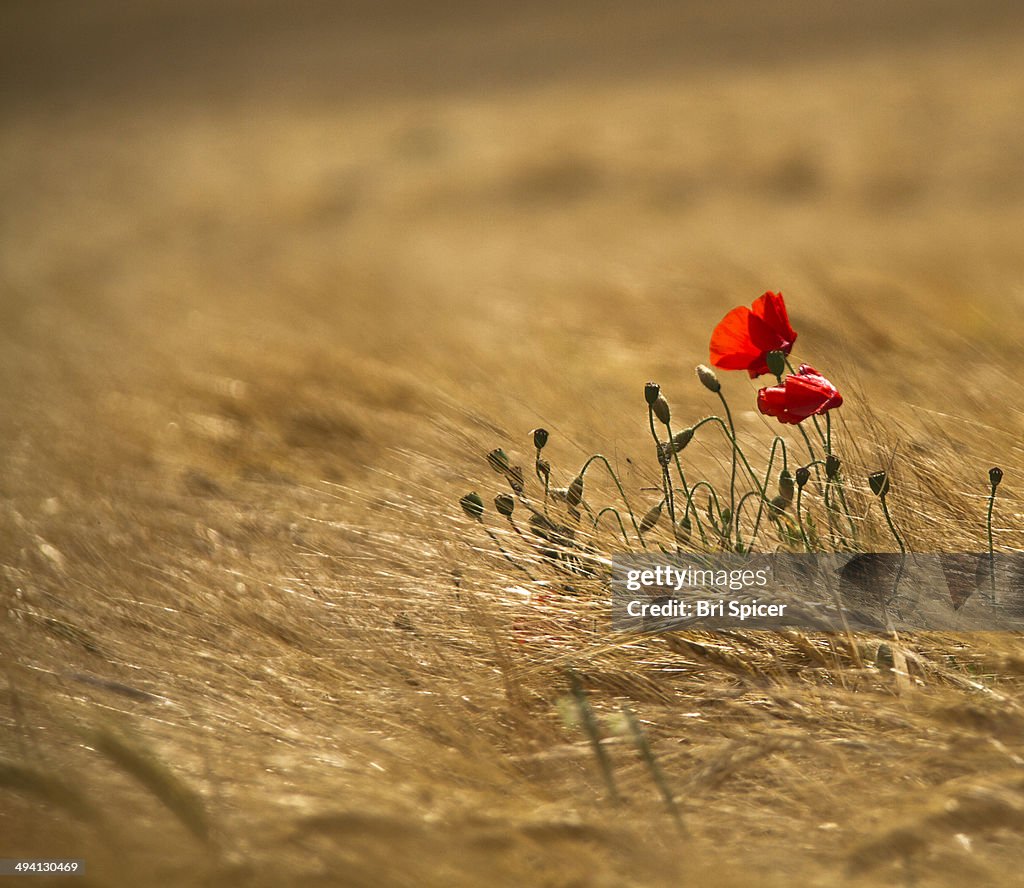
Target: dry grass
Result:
[253, 352]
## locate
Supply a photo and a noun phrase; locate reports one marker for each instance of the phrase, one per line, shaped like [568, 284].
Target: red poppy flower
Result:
[804, 393]
[743, 338]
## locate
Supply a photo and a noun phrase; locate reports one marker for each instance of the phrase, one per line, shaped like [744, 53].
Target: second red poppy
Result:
[804, 393]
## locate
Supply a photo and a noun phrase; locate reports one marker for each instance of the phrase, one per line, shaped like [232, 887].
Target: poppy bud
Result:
[786, 488]
[660, 407]
[540, 438]
[708, 379]
[681, 439]
[995, 475]
[472, 505]
[504, 504]
[803, 475]
[776, 361]
[574, 493]
[879, 483]
[684, 528]
[664, 453]
[497, 459]
[543, 469]
[779, 503]
[515, 477]
[651, 392]
[650, 519]
[832, 464]
[541, 526]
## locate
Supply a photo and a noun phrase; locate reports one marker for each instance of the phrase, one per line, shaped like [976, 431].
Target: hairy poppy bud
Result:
[776, 361]
[540, 438]
[574, 494]
[650, 519]
[664, 453]
[504, 504]
[779, 503]
[681, 439]
[832, 464]
[543, 469]
[684, 530]
[472, 505]
[708, 379]
[497, 459]
[786, 489]
[803, 475]
[651, 392]
[995, 475]
[879, 483]
[660, 408]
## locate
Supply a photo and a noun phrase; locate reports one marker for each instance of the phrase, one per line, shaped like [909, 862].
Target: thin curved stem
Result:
[800, 518]
[622, 493]
[892, 527]
[615, 512]
[665, 477]
[735, 450]
[764, 490]
[991, 545]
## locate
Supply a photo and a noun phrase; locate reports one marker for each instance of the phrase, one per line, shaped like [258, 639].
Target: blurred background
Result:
[530, 210]
[268, 269]
[465, 189]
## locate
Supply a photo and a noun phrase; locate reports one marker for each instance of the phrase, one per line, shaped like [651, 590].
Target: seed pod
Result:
[786, 488]
[995, 475]
[681, 439]
[541, 526]
[651, 392]
[883, 657]
[540, 438]
[708, 379]
[472, 505]
[660, 407]
[497, 459]
[776, 362]
[832, 464]
[879, 483]
[574, 495]
[650, 519]
[505, 505]
[515, 477]
[803, 475]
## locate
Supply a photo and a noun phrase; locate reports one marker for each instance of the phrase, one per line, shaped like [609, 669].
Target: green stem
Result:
[615, 512]
[799, 517]
[764, 490]
[666, 478]
[735, 449]
[622, 493]
[892, 527]
[991, 546]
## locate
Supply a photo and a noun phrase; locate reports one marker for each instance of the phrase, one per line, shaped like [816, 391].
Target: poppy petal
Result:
[771, 308]
[731, 345]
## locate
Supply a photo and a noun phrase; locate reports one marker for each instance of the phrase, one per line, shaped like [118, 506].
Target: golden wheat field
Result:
[275, 278]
